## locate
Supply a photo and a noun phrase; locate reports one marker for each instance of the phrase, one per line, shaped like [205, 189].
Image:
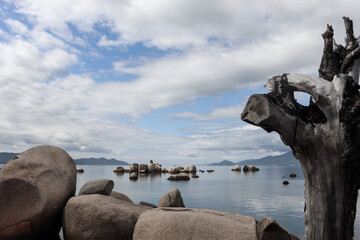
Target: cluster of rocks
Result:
[37, 198]
[291, 175]
[246, 168]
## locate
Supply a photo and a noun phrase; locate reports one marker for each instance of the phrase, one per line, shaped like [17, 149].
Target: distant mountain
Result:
[223, 163]
[6, 156]
[99, 161]
[281, 160]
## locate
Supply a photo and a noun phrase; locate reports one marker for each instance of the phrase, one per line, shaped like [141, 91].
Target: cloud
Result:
[209, 47]
[217, 114]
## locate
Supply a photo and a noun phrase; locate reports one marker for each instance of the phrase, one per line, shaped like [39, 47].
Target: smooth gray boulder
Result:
[269, 229]
[189, 168]
[147, 204]
[133, 176]
[99, 186]
[179, 177]
[118, 169]
[194, 224]
[134, 167]
[175, 169]
[171, 199]
[151, 168]
[34, 189]
[94, 217]
[120, 196]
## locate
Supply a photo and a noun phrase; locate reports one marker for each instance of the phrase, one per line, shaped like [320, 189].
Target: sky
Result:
[163, 80]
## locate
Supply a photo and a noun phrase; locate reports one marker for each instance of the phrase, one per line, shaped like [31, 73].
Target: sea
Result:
[256, 194]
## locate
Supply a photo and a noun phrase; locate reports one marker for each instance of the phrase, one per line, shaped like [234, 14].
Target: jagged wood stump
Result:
[324, 136]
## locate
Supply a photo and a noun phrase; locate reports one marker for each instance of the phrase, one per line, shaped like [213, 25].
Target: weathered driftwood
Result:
[324, 136]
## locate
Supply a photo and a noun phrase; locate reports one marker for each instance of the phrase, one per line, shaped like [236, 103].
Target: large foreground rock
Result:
[185, 223]
[94, 217]
[171, 199]
[34, 189]
[99, 186]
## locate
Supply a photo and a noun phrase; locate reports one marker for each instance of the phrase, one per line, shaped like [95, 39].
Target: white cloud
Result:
[232, 112]
[216, 46]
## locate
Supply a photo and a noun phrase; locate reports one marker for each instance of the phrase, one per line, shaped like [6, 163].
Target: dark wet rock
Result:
[285, 182]
[210, 170]
[34, 188]
[292, 175]
[194, 176]
[79, 170]
[99, 186]
[171, 199]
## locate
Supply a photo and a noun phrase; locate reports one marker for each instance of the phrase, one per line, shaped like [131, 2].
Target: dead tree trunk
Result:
[324, 136]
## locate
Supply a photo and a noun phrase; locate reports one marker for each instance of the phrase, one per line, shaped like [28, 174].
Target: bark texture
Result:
[323, 136]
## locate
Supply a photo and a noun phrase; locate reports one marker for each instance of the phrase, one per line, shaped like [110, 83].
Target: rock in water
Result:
[236, 168]
[100, 186]
[179, 177]
[171, 199]
[34, 189]
[195, 224]
[93, 217]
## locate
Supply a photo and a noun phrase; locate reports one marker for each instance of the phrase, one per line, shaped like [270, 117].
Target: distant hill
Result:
[223, 163]
[6, 156]
[99, 161]
[281, 160]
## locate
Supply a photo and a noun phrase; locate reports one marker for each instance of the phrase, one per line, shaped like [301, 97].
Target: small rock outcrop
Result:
[292, 175]
[133, 176]
[143, 168]
[179, 177]
[250, 168]
[79, 170]
[151, 168]
[100, 186]
[269, 229]
[175, 169]
[285, 182]
[34, 188]
[134, 167]
[189, 168]
[236, 168]
[120, 196]
[194, 176]
[181, 223]
[210, 170]
[100, 217]
[118, 169]
[171, 199]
